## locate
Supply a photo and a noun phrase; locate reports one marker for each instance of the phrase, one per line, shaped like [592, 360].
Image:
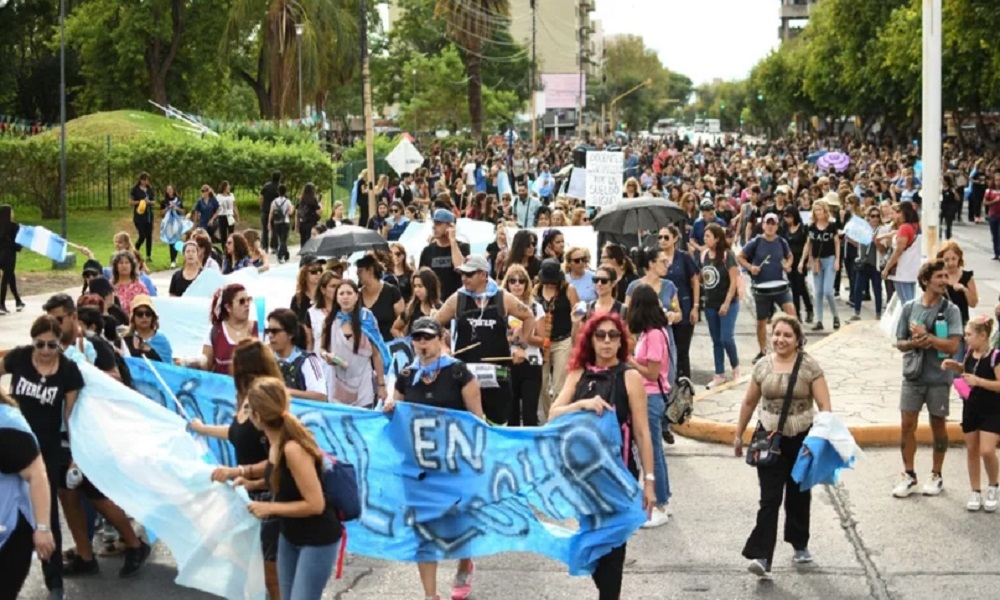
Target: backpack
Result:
[292, 371]
[280, 210]
[606, 384]
[340, 490]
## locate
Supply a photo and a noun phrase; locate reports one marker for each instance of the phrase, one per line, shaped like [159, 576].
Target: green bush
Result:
[29, 170]
[383, 146]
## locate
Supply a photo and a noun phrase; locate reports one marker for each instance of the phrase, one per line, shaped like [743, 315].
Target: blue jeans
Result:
[723, 331]
[823, 283]
[304, 570]
[863, 276]
[657, 407]
[995, 234]
[906, 290]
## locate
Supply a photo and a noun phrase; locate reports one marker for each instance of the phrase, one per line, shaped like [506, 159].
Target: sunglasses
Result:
[422, 337]
[874, 216]
[578, 260]
[395, 212]
[601, 280]
[143, 314]
[51, 345]
[608, 334]
[665, 237]
[272, 331]
[517, 280]
[245, 301]
[397, 253]
[315, 271]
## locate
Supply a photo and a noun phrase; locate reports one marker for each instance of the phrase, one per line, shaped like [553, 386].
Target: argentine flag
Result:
[39, 239]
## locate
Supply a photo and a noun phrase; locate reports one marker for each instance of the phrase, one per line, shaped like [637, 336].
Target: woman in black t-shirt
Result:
[252, 360]
[27, 523]
[45, 384]
[383, 299]
[435, 379]
[182, 279]
[309, 527]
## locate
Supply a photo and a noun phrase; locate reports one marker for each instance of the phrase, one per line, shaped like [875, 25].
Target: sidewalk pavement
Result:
[864, 372]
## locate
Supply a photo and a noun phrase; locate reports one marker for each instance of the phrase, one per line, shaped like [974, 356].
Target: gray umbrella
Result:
[632, 216]
[344, 240]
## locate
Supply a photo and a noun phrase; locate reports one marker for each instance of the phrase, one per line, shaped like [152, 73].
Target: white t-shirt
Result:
[226, 203]
[535, 351]
[470, 174]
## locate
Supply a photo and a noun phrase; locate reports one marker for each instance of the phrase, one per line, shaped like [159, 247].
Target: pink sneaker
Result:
[462, 586]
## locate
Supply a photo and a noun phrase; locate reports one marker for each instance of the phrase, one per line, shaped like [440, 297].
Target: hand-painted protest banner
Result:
[604, 178]
[439, 484]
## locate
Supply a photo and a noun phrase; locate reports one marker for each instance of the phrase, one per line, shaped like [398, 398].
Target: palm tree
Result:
[470, 23]
[262, 32]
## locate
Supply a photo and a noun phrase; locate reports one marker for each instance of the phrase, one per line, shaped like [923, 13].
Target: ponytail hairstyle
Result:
[252, 359]
[643, 257]
[618, 254]
[269, 399]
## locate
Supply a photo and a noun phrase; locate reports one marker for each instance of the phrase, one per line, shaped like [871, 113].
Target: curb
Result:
[825, 340]
[882, 435]
[866, 436]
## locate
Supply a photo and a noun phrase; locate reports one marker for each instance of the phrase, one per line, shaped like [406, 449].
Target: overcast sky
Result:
[702, 39]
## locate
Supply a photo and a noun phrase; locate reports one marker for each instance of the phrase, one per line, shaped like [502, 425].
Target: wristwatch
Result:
[649, 477]
[42, 528]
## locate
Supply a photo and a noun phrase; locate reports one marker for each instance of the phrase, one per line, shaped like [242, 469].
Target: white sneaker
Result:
[991, 500]
[659, 517]
[716, 381]
[975, 502]
[934, 487]
[173, 265]
[906, 486]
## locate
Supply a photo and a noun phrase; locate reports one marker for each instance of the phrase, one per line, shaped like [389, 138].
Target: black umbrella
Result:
[344, 240]
[632, 216]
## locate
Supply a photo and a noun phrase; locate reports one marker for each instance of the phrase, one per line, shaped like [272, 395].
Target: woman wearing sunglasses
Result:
[305, 287]
[45, 384]
[604, 286]
[557, 329]
[526, 349]
[522, 252]
[579, 275]
[603, 346]
[866, 269]
[436, 379]
[425, 303]
[252, 360]
[143, 337]
[398, 221]
[231, 324]
[683, 273]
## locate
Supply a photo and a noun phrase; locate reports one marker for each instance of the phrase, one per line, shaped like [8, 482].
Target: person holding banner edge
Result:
[436, 379]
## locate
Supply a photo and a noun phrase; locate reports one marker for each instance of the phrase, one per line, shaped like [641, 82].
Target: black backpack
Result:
[292, 371]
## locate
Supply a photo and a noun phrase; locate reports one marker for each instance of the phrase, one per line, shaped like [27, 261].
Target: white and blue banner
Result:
[435, 484]
[39, 239]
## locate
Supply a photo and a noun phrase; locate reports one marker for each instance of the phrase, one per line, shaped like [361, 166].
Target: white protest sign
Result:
[604, 178]
[577, 184]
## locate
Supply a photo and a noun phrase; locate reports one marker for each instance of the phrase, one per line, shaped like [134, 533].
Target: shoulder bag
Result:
[765, 446]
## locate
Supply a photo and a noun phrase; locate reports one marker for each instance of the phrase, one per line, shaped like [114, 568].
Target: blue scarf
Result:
[14, 497]
[431, 370]
[369, 327]
[491, 290]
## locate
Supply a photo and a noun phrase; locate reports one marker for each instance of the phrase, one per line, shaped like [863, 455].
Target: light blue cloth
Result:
[39, 239]
[435, 484]
[369, 327]
[818, 464]
[161, 345]
[444, 361]
[141, 456]
[503, 184]
[14, 497]
[584, 286]
[174, 225]
[491, 290]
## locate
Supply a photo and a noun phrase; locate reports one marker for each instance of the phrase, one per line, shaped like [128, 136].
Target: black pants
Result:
[849, 256]
[224, 231]
[526, 385]
[266, 241]
[683, 332]
[53, 569]
[497, 402]
[775, 482]
[9, 279]
[305, 232]
[975, 207]
[608, 574]
[145, 229]
[947, 220]
[800, 292]
[281, 240]
[15, 559]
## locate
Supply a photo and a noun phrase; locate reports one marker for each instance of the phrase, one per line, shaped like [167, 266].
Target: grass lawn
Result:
[123, 125]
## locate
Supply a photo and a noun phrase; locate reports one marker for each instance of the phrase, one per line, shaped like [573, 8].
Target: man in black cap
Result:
[480, 309]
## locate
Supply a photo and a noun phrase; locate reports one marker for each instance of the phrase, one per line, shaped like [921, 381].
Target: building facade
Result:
[794, 16]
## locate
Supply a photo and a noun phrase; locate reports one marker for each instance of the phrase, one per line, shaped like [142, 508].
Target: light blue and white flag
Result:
[140, 455]
[39, 239]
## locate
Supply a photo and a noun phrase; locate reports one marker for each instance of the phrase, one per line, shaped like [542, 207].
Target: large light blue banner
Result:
[441, 484]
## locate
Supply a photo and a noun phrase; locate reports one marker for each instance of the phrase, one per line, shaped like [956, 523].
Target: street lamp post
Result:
[620, 96]
[931, 142]
[62, 113]
[416, 113]
[299, 30]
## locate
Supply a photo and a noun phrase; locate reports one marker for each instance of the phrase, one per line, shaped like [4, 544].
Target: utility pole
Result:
[299, 30]
[534, 84]
[931, 150]
[581, 38]
[366, 91]
[62, 114]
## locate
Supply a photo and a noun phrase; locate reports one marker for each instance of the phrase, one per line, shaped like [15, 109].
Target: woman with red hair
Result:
[602, 348]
